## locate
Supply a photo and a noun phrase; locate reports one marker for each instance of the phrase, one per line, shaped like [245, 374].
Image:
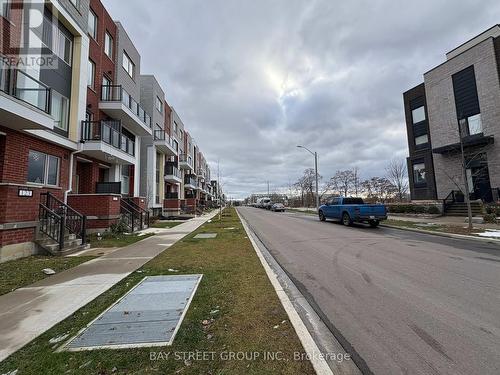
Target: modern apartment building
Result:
[458, 104]
[86, 140]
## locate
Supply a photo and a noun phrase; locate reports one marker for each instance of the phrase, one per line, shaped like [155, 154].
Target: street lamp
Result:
[315, 154]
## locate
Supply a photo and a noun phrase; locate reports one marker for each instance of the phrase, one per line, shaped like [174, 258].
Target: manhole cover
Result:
[148, 315]
[206, 235]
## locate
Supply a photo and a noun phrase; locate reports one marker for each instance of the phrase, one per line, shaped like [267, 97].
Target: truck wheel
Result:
[374, 223]
[346, 219]
[322, 216]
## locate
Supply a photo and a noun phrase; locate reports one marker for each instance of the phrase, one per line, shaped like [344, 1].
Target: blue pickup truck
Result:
[353, 210]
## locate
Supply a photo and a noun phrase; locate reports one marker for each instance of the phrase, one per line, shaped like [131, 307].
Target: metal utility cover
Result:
[148, 315]
[206, 235]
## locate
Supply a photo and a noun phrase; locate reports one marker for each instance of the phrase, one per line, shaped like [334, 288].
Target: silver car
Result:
[278, 207]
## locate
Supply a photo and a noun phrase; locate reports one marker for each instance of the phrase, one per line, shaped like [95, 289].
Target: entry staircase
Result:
[135, 217]
[61, 229]
[455, 206]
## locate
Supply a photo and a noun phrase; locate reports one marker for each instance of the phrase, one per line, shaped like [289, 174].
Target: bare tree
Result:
[398, 177]
[306, 186]
[379, 188]
[356, 182]
[343, 182]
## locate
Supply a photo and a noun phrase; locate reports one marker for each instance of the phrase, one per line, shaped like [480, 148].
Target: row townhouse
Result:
[86, 139]
[458, 104]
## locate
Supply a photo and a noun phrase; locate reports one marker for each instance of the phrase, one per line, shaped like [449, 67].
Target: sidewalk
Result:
[30, 311]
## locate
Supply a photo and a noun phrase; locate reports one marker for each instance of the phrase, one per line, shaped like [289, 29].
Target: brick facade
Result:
[102, 210]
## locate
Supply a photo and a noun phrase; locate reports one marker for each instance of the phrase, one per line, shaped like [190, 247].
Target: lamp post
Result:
[315, 154]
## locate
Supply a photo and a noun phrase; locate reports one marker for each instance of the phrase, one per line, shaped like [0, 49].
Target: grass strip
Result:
[18, 273]
[235, 324]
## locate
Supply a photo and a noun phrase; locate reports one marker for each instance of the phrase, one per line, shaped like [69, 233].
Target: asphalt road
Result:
[405, 302]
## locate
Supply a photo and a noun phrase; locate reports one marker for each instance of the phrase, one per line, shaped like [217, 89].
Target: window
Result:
[419, 173]
[176, 145]
[106, 88]
[108, 45]
[128, 65]
[474, 124]
[125, 180]
[421, 140]
[418, 114]
[91, 74]
[175, 127]
[157, 178]
[92, 27]
[159, 104]
[5, 8]
[42, 168]
[60, 110]
[63, 46]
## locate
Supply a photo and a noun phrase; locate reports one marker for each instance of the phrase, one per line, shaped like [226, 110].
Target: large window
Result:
[159, 104]
[106, 88]
[419, 173]
[63, 46]
[91, 74]
[421, 140]
[60, 110]
[108, 45]
[128, 65]
[92, 24]
[43, 169]
[157, 178]
[418, 114]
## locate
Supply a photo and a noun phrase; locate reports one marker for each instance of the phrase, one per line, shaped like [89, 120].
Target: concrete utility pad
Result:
[206, 235]
[148, 315]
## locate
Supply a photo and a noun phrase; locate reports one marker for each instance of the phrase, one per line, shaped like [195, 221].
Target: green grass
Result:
[453, 229]
[115, 240]
[250, 317]
[166, 224]
[17, 273]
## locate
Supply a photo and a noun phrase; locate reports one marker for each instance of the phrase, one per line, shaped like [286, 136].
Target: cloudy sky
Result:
[252, 79]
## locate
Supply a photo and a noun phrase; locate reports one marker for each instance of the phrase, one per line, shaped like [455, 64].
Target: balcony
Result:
[164, 143]
[108, 188]
[24, 101]
[471, 141]
[117, 103]
[186, 162]
[104, 140]
[172, 174]
[172, 195]
[190, 182]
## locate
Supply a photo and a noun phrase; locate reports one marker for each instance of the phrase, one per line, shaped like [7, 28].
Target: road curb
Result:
[319, 364]
[448, 235]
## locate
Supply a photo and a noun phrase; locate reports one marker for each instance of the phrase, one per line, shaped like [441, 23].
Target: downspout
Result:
[70, 185]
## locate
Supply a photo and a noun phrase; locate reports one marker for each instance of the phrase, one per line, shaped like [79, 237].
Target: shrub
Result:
[413, 209]
[119, 227]
[490, 218]
[433, 210]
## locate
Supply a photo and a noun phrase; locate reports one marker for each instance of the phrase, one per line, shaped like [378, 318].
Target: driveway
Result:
[405, 302]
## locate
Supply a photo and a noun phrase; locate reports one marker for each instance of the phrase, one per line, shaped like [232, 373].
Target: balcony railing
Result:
[170, 170]
[185, 158]
[108, 131]
[172, 195]
[108, 188]
[188, 180]
[116, 93]
[24, 87]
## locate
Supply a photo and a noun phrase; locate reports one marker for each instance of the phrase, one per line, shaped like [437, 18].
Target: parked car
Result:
[353, 210]
[278, 207]
[263, 202]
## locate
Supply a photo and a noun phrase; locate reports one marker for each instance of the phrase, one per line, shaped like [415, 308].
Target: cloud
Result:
[252, 79]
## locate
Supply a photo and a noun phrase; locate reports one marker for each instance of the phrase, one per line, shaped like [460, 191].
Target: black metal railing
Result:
[108, 131]
[134, 216]
[172, 195]
[23, 86]
[454, 196]
[116, 93]
[108, 187]
[55, 212]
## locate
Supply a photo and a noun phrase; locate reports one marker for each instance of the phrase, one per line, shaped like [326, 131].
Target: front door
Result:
[478, 177]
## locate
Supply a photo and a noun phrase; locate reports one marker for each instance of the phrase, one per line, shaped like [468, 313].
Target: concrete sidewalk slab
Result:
[28, 312]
